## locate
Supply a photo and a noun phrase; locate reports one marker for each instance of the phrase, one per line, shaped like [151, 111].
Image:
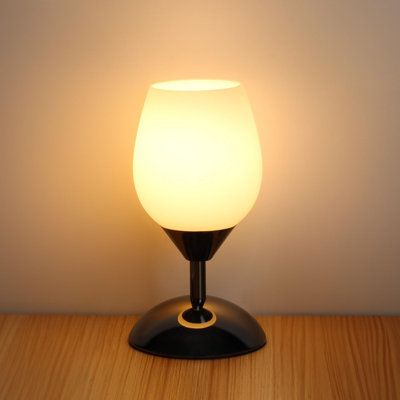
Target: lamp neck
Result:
[197, 284]
[199, 245]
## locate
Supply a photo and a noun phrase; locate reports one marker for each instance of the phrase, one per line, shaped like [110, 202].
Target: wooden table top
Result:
[88, 357]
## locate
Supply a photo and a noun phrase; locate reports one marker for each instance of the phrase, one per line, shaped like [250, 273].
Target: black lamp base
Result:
[230, 332]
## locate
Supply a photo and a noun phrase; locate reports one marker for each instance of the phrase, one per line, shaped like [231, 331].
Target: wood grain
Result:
[87, 357]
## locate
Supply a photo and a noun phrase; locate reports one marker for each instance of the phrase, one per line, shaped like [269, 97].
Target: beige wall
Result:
[324, 81]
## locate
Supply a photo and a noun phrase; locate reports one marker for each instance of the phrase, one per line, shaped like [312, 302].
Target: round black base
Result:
[234, 332]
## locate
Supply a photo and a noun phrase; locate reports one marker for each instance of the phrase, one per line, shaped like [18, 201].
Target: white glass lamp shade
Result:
[197, 160]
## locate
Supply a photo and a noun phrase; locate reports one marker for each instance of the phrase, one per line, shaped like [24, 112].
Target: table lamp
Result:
[197, 171]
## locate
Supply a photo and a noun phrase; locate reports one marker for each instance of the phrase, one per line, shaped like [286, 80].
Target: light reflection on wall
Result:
[323, 83]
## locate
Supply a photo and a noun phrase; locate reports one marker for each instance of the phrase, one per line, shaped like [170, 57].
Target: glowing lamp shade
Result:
[197, 160]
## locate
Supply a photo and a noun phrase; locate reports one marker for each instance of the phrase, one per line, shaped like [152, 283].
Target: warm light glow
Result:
[197, 160]
[195, 85]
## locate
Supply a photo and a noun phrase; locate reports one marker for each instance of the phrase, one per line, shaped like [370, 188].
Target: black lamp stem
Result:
[197, 284]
